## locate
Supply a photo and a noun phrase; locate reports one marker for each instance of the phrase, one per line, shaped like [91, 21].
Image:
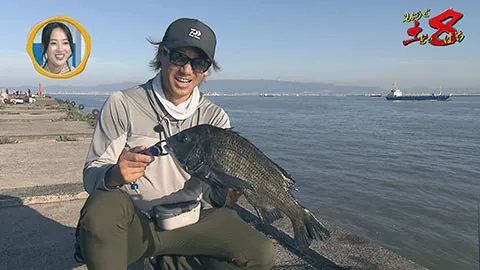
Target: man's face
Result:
[179, 81]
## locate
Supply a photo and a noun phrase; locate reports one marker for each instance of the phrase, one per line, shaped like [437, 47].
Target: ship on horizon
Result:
[396, 94]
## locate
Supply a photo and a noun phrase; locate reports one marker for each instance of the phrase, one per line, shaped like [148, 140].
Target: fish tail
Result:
[308, 228]
[315, 228]
[301, 235]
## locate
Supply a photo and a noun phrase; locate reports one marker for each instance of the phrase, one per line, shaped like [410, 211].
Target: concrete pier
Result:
[41, 195]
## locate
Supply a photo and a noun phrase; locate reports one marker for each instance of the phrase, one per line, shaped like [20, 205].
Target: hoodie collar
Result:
[181, 111]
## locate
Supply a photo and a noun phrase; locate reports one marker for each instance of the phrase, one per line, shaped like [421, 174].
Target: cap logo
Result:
[194, 33]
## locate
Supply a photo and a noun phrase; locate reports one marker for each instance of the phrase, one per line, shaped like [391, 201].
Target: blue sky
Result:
[341, 42]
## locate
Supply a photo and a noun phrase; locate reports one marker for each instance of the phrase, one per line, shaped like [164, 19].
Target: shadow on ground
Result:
[32, 241]
[310, 259]
[36, 237]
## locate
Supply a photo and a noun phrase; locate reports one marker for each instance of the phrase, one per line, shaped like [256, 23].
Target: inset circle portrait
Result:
[59, 47]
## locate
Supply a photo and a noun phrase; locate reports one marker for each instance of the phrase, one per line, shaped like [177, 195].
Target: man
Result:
[123, 184]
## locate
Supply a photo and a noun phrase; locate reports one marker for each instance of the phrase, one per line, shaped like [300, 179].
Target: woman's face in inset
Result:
[59, 49]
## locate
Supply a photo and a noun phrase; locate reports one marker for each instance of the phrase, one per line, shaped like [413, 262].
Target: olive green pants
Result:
[112, 234]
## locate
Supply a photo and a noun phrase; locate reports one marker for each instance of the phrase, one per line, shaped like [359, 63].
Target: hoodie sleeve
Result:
[108, 141]
[220, 119]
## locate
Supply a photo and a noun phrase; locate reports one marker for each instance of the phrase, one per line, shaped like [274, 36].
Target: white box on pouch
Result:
[170, 217]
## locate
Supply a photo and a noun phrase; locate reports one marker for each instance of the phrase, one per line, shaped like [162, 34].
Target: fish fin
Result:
[227, 180]
[288, 180]
[265, 212]
[300, 234]
[268, 216]
[316, 230]
[308, 228]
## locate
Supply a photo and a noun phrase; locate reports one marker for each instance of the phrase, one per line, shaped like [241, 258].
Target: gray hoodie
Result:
[126, 120]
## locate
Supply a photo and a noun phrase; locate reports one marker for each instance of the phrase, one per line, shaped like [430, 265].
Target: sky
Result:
[341, 42]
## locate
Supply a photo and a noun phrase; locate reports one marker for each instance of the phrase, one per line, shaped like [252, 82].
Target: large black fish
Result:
[221, 157]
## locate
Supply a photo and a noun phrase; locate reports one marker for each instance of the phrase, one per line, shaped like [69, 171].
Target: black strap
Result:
[153, 102]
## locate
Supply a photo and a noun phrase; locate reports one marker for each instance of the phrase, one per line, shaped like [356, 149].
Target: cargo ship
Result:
[396, 94]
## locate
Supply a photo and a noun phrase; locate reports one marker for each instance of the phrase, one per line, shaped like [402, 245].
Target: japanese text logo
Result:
[443, 23]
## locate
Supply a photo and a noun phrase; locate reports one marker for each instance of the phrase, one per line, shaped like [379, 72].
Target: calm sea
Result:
[402, 174]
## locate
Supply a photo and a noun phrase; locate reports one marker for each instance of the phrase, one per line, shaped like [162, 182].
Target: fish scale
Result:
[238, 162]
[221, 157]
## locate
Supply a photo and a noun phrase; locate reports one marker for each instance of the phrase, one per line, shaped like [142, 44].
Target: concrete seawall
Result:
[41, 195]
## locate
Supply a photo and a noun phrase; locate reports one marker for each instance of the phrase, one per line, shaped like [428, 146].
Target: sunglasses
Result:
[178, 58]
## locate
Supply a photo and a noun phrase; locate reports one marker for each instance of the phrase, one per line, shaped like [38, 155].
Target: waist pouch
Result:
[172, 216]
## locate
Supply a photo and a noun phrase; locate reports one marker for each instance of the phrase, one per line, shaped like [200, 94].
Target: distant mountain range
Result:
[253, 87]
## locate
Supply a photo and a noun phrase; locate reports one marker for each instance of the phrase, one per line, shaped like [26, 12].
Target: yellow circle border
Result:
[83, 32]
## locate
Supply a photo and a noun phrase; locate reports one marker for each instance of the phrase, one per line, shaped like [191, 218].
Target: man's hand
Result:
[233, 195]
[131, 165]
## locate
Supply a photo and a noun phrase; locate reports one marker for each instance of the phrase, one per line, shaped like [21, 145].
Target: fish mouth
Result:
[179, 161]
[168, 148]
[182, 162]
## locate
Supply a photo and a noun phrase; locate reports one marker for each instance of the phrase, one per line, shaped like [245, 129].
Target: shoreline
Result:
[47, 169]
[265, 94]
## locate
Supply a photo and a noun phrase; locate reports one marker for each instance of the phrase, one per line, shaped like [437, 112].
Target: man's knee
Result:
[260, 256]
[105, 208]
[265, 254]
[262, 253]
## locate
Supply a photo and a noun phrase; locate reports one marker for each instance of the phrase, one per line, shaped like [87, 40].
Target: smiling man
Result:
[127, 188]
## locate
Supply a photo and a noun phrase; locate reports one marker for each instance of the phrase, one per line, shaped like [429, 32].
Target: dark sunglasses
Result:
[178, 58]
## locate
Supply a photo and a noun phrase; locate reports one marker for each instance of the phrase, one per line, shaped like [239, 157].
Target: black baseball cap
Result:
[187, 32]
